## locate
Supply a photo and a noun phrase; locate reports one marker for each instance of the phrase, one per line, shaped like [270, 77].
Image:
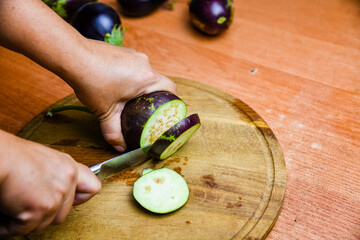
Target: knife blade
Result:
[114, 165]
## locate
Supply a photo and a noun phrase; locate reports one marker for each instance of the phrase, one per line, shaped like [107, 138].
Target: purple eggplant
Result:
[139, 8]
[100, 22]
[175, 137]
[66, 8]
[145, 118]
[211, 16]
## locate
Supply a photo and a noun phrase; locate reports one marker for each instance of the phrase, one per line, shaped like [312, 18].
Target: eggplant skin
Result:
[72, 6]
[94, 20]
[211, 16]
[66, 8]
[139, 8]
[172, 134]
[137, 112]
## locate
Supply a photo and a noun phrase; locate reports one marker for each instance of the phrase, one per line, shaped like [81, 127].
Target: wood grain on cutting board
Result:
[233, 165]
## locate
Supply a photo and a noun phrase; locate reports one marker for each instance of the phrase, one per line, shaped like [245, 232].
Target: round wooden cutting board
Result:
[233, 165]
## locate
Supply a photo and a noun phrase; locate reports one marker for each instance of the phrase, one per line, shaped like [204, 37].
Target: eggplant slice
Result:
[175, 137]
[161, 191]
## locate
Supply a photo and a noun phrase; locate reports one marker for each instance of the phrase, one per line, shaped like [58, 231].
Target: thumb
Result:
[87, 186]
[111, 129]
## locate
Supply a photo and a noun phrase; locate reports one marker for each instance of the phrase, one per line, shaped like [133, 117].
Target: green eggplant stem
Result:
[52, 111]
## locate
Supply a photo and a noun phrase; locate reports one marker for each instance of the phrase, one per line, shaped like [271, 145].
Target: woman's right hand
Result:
[38, 185]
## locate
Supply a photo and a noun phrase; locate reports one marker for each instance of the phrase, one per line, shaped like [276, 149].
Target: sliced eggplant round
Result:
[175, 137]
[145, 118]
[161, 191]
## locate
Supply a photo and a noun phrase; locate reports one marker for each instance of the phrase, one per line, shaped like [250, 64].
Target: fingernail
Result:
[119, 148]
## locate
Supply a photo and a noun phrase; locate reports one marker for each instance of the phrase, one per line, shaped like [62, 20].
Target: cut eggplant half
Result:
[145, 118]
[161, 191]
[175, 137]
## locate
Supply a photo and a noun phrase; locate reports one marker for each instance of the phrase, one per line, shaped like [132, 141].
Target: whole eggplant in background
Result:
[100, 22]
[139, 8]
[211, 16]
[66, 8]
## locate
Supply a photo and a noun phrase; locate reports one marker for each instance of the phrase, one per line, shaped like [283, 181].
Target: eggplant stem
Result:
[52, 111]
[116, 36]
[170, 4]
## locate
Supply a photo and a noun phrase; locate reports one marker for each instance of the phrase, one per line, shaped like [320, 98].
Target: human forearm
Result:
[34, 30]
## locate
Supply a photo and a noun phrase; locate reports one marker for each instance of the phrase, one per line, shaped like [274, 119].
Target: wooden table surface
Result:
[296, 63]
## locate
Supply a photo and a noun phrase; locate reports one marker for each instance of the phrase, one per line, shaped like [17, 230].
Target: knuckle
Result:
[58, 221]
[67, 155]
[39, 228]
[48, 207]
[112, 138]
[142, 55]
[70, 172]
[96, 187]
[60, 218]
[149, 75]
[26, 217]
[24, 223]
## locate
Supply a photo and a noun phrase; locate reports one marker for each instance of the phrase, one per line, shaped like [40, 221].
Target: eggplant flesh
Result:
[161, 191]
[175, 137]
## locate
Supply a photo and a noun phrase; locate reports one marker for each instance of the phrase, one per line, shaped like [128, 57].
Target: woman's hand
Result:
[38, 185]
[108, 77]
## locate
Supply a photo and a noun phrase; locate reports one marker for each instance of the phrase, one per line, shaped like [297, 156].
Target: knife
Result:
[114, 165]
